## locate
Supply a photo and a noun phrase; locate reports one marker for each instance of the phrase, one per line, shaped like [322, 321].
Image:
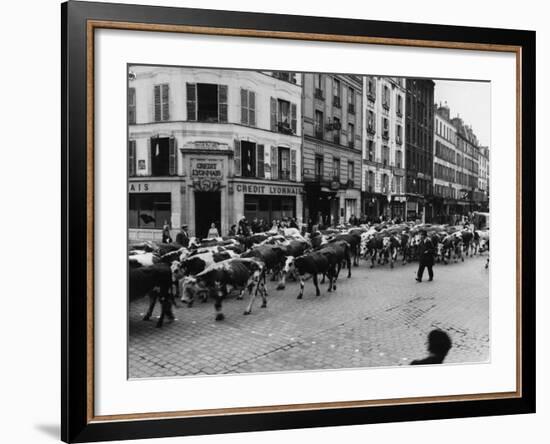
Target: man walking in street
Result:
[425, 257]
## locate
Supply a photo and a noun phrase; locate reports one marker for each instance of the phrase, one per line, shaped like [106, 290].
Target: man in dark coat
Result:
[182, 237]
[439, 344]
[426, 253]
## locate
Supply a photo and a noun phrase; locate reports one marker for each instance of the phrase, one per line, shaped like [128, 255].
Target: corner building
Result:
[211, 146]
[332, 126]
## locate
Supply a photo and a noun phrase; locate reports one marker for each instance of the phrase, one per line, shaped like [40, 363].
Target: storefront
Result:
[267, 200]
[152, 204]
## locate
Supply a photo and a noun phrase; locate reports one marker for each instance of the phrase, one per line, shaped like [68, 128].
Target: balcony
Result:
[371, 129]
[336, 139]
[386, 134]
[350, 183]
[284, 175]
[351, 144]
[351, 108]
[318, 94]
[386, 105]
[336, 102]
[319, 134]
[284, 128]
[399, 140]
[399, 113]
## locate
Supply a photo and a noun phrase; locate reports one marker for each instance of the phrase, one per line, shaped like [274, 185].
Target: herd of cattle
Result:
[214, 268]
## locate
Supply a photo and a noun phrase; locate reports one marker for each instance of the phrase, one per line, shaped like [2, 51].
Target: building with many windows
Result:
[211, 146]
[419, 144]
[460, 171]
[483, 181]
[383, 173]
[332, 119]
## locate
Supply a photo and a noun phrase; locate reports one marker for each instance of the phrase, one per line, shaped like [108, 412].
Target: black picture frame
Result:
[76, 423]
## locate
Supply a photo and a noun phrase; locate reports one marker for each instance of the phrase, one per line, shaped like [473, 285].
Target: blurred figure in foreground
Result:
[439, 344]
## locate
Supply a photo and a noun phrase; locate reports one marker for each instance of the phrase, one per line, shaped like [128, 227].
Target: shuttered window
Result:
[222, 103]
[131, 106]
[237, 157]
[191, 89]
[273, 113]
[131, 158]
[293, 165]
[293, 120]
[162, 97]
[173, 157]
[248, 107]
[274, 162]
[260, 164]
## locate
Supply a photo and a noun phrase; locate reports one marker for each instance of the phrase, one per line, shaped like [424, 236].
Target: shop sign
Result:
[207, 169]
[139, 187]
[280, 190]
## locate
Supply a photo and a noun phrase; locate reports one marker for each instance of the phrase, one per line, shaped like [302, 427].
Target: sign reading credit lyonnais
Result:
[267, 189]
[206, 168]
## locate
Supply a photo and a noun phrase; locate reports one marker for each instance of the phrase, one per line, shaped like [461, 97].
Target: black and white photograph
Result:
[300, 221]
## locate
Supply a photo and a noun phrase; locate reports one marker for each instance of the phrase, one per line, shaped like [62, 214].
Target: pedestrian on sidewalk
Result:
[425, 256]
[439, 344]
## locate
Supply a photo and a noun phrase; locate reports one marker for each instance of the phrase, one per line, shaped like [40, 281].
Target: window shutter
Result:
[293, 165]
[237, 157]
[173, 157]
[293, 117]
[191, 101]
[274, 163]
[252, 108]
[165, 102]
[150, 157]
[260, 158]
[131, 105]
[273, 109]
[222, 103]
[157, 104]
[244, 106]
[131, 158]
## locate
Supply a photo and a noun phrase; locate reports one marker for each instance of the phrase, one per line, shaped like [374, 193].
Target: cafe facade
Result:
[212, 146]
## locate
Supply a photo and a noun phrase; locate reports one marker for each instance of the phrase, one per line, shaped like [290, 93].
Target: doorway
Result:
[207, 211]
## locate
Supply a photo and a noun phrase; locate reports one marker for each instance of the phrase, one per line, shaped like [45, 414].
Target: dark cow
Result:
[467, 239]
[312, 264]
[222, 277]
[374, 248]
[338, 253]
[272, 256]
[354, 241]
[154, 281]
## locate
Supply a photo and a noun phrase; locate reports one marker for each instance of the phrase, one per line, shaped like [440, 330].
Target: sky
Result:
[472, 101]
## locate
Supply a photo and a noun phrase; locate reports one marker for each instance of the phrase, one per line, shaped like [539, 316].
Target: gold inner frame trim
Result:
[92, 25]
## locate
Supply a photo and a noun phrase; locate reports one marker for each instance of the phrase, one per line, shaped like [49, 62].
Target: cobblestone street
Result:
[378, 317]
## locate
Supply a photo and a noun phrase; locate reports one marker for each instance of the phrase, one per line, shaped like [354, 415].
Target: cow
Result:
[467, 239]
[142, 259]
[196, 263]
[390, 246]
[272, 256]
[222, 277]
[374, 248]
[338, 252]
[153, 281]
[291, 250]
[354, 241]
[312, 264]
